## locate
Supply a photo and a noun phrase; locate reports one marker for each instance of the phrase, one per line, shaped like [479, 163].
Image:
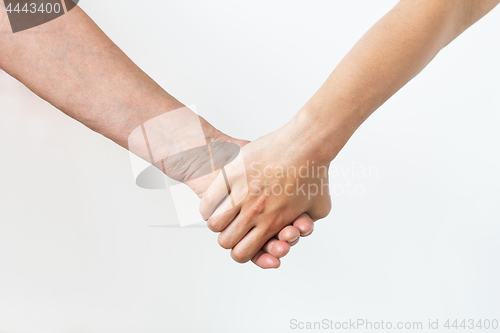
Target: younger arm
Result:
[389, 55]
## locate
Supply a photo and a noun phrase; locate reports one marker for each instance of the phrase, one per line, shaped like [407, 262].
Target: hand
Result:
[178, 167]
[282, 177]
[279, 246]
[188, 149]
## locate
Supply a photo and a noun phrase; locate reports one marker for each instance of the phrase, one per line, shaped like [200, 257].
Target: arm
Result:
[390, 54]
[73, 65]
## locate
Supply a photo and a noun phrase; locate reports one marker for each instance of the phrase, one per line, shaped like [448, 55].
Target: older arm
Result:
[72, 64]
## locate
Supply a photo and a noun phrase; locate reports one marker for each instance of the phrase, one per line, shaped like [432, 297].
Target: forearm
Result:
[389, 55]
[73, 65]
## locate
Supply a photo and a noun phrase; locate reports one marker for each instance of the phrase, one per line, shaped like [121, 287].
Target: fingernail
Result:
[305, 235]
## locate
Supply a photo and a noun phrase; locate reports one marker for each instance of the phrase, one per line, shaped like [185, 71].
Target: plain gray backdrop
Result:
[418, 241]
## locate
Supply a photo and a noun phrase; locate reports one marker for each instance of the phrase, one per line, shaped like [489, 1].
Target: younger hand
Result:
[280, 179]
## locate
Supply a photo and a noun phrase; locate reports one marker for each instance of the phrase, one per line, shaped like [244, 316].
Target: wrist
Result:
[325, 130]
[166, 132]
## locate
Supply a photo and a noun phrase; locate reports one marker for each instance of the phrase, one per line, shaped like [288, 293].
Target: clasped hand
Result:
[275, 187]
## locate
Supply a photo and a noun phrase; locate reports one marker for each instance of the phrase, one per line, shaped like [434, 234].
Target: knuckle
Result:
[213, 225]
[240, 255]
[224, 242]
[258, 206]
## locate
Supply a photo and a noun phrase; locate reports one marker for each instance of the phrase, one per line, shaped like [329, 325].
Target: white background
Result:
[77, 253]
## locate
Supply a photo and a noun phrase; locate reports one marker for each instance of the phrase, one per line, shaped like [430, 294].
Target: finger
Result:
[289, 234]
[265, 260]
[293, 243]
[248, 247]
[277, 248]
[213, 196]
[305, 224]
[235, 231]
[224, 214]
